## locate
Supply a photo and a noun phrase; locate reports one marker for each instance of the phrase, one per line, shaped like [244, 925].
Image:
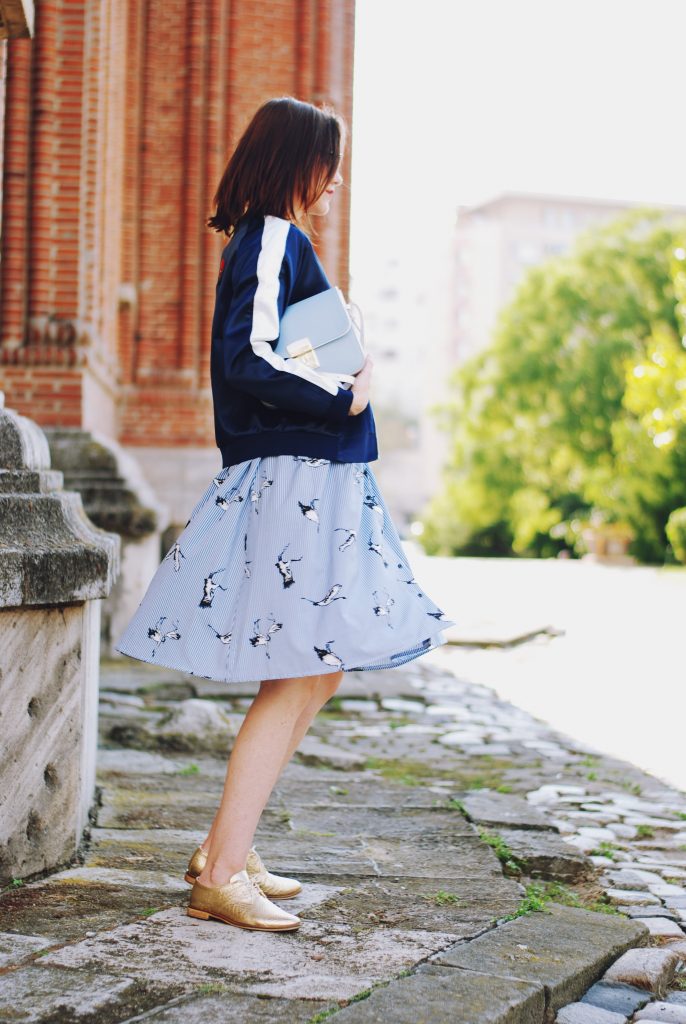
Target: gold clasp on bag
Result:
[303, 349]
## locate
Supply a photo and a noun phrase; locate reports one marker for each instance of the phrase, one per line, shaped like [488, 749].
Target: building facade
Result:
[117, 118]
[495, 242]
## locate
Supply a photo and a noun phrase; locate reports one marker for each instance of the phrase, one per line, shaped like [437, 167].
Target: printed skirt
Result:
[288, 566]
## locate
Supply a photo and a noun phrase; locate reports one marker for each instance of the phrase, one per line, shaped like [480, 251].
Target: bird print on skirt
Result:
[288, 566]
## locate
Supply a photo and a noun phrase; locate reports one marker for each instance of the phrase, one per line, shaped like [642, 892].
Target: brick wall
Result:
[119, 116]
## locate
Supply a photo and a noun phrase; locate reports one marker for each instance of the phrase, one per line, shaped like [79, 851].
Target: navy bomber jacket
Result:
[274, 264]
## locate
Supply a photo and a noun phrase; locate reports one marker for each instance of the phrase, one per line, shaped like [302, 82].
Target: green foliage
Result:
[605, 849]
[533, 901]
[575, 415]
[538, 895]
[510, 862]
[676, 533]
[443, 896]
[458, 805]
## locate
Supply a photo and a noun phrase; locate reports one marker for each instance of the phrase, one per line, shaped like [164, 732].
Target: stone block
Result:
[617, 997]
[15, 948]
[679, 948]
[314, 751]
[54, 566]
[546, 854]
[116, 496]
[649, 911]
[227, 1007]
[34, 994]
[565, 950]
[585, 1013]
[434, 995]
[171, 948]
[631, 897]
[650, 969]
[51, 553]
[662, 929]
[668, 1013]
[486, 807]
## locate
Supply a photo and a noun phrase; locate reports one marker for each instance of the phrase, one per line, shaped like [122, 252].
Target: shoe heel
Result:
[189, 878]
[192, 912]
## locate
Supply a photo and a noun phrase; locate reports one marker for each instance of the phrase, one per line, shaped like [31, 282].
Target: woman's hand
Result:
[360, 388]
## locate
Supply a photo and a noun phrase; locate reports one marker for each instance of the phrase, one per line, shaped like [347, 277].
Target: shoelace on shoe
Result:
[255, 885]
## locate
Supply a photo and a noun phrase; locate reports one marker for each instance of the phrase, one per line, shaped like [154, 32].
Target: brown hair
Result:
[288, 154]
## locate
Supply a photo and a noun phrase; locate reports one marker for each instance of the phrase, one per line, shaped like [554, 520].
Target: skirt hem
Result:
[407, 654]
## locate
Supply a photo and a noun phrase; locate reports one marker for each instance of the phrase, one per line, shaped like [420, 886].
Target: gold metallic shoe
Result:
[240, 902]
[277, 887]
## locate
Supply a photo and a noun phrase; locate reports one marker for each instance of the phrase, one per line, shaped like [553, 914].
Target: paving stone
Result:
[549, 794]
[650, 968]
[15, 948]
[666, 824]
[487, 807]
[677, 997]
[156, 809]
[298, 788]
[624, 831]
[565, 949]
[487, 749]
[313, 751]
[387, 823]
[669, 1013]
[599, 834]
[171, 947]
[36, 993]
[585, 1013]
[663, 889]
[676, 902]
[402, 704]
[631, 897]
[421, 903]
[649, 911]
[583, 843]
[632, 879]
[662, 928]
[616, 997]
[141, 762]
[233, 1008]
[679, 948]
[433, 995]
[546, 854]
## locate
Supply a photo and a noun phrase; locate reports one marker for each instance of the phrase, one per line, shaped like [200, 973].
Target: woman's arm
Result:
[262, 283]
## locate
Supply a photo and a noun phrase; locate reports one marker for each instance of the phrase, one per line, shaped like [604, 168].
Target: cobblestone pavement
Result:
[460, 861]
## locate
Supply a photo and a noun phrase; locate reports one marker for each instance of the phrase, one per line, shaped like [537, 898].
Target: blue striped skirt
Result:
[288, 566]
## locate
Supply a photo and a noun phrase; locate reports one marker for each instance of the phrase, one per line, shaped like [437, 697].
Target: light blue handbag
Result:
[321, 332]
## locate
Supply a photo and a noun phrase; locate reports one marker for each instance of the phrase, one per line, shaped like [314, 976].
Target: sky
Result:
[457, 100]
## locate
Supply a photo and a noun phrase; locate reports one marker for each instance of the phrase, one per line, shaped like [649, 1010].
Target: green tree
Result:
[576, 407]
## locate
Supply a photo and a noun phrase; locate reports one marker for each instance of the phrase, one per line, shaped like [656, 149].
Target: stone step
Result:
[519, 973]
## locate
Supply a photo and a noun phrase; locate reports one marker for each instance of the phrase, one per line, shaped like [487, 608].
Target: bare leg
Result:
[276, 721]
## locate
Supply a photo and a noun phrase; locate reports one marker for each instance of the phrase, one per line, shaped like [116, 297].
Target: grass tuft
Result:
[511, 863]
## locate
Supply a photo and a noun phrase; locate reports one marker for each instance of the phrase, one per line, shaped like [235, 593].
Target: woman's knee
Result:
[327, 686]
[298, 692]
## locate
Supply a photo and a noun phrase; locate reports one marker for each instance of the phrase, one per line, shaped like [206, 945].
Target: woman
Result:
[290, 570]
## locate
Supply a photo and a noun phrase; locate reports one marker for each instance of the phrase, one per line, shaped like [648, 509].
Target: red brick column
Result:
[119, 118]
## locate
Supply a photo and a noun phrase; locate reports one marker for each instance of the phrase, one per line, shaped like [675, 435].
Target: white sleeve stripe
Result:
[265, 320]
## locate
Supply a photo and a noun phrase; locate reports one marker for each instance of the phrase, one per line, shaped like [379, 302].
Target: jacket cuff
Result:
[342, 400]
